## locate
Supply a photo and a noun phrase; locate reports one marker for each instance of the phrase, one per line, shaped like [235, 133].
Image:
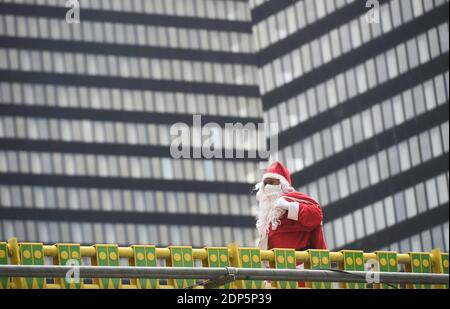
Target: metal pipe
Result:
[212, 273]
[200, 254]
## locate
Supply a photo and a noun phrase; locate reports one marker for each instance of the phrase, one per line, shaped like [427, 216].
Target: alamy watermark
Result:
[372, 267]
[73, 274]
[373, 15]
[232, 140]
[73, 14]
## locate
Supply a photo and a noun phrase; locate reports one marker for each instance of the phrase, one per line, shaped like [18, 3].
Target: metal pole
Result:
[214, 273]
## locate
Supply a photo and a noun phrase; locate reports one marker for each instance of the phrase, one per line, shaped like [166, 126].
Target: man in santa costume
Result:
[287, 218]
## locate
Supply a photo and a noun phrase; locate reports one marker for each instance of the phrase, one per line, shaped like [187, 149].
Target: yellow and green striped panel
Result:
[107, 255]
[284, 259]
[353, 261]
[181, 256]
[32, 254]
[387, 261]
[444, 257]
[251, 258]
[145, 256]
[217, 257]
[420, 262]
[4, 281]
[65, 254]
[319, 259]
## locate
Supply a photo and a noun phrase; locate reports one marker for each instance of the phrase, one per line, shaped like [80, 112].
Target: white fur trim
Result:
[275, 176]
[293, 211]
[301, 200]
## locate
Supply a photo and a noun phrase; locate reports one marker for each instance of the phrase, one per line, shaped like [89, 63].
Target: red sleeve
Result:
[310, 215]
[317, 238]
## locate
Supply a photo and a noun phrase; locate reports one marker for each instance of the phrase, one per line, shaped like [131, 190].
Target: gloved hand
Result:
[282, 203]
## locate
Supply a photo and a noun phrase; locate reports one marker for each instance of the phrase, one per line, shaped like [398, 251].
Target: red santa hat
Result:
[278, 171]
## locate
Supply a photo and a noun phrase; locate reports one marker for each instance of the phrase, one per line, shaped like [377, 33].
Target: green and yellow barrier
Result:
[69, 255]
[24, 253]
[32, 254]
[439, 264]
[318, 259]
[445, 263]
[217, 257]
[284, 259]
[181, 256]
[353, 260]
[387, 262]
[4, 281]
[107, 255]
[250, 258]
[144, 256]
[420, 262]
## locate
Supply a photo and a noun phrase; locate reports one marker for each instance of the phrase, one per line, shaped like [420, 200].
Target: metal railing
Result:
[23, 265]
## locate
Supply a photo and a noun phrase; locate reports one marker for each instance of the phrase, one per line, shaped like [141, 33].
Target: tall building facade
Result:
[363, 112]
[86, 111]
[85, 116]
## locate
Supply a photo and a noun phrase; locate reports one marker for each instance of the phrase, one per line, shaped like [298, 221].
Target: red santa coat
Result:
[300, 227]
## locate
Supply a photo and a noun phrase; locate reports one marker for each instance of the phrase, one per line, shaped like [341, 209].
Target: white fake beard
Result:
[268, 214]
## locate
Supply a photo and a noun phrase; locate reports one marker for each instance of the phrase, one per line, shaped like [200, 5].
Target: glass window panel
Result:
[389, 211]
[379, 215]
[432, 195]
[369, 219]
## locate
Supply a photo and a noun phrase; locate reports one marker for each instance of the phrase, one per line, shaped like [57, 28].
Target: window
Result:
[442, 189]
[440, 89]
[402, 58]
[351, 82]
[425, 146]
[337, 138]
[328, 232]
[317, 142]
[413, 55]
[327, 142]
[373, 170]
[385, 18]
[347, 133]
[424, 54]
[363, 174]
[398, 110]
[405, 163]
[400, 208]
[379, 215]
[392, 64]
[436, 143]
[394, 163]
[357, 128]
[326, 48]
[349, 228]
[381, 68]
[369, 220]
[334, 187]
[445, 135]
[367, 124]
[345, 38]
[406, 10]
[353, 177]
[341, 88]
[316, 54]
[339, 232]
[410, 201]
[432, 195]
[389, 211]
[358, 218]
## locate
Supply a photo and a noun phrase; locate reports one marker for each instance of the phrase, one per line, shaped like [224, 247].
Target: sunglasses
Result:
[271, 181]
